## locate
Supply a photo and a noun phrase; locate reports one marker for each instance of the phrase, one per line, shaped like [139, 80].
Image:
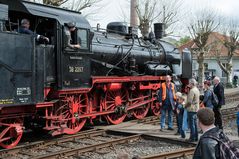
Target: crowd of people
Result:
[187, 105]
[194, 111]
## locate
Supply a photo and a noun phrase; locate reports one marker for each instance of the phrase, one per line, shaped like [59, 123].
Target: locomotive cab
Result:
[50, 65]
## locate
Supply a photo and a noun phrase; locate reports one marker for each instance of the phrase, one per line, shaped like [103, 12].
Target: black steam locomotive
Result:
[114, 73]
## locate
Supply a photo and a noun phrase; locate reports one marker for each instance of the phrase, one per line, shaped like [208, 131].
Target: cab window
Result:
[82, 36]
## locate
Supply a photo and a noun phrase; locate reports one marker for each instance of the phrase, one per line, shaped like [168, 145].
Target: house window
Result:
[223, 73]
[205, 66]
[194, 65]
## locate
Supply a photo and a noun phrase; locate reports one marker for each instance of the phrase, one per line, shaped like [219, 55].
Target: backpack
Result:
[226, 148]
[214, 99]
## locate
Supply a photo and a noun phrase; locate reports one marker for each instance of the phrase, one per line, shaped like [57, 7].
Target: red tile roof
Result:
[215, 38]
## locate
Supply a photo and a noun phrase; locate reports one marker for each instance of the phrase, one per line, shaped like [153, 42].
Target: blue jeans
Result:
[170, 118]
[180, 124]
[192, 121]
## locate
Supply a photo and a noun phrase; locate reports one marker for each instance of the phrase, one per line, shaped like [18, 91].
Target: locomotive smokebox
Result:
[159, 30]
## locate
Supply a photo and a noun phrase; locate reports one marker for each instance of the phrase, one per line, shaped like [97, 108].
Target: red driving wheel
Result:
[140, 112]
[72, 107]
[11, 132]
[116, 100]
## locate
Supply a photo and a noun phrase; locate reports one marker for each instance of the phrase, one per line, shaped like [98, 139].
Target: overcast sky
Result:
[116, 10]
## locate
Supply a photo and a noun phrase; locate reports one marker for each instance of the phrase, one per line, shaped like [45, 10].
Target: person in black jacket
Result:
[207, 148]
[218, 89]
[25, 29]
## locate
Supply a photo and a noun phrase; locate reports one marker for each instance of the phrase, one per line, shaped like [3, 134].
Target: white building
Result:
[211, 66]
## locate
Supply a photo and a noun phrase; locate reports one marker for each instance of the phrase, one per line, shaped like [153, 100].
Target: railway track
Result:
[229, 113]
[41, 144]
[182, 153]
[26, 150]
[76, 151]
[79, 144]
[232, 98]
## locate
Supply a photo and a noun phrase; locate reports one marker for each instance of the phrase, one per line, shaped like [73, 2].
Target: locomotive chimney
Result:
[133, 13]
[133, 29]
[159, 30]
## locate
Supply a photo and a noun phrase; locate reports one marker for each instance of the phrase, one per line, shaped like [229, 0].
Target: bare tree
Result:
[50, 2]
[162, 11]
[79, 5]
[230, 41]
[146, 13]
[170, 13]
[54, 2]
[200, 29]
